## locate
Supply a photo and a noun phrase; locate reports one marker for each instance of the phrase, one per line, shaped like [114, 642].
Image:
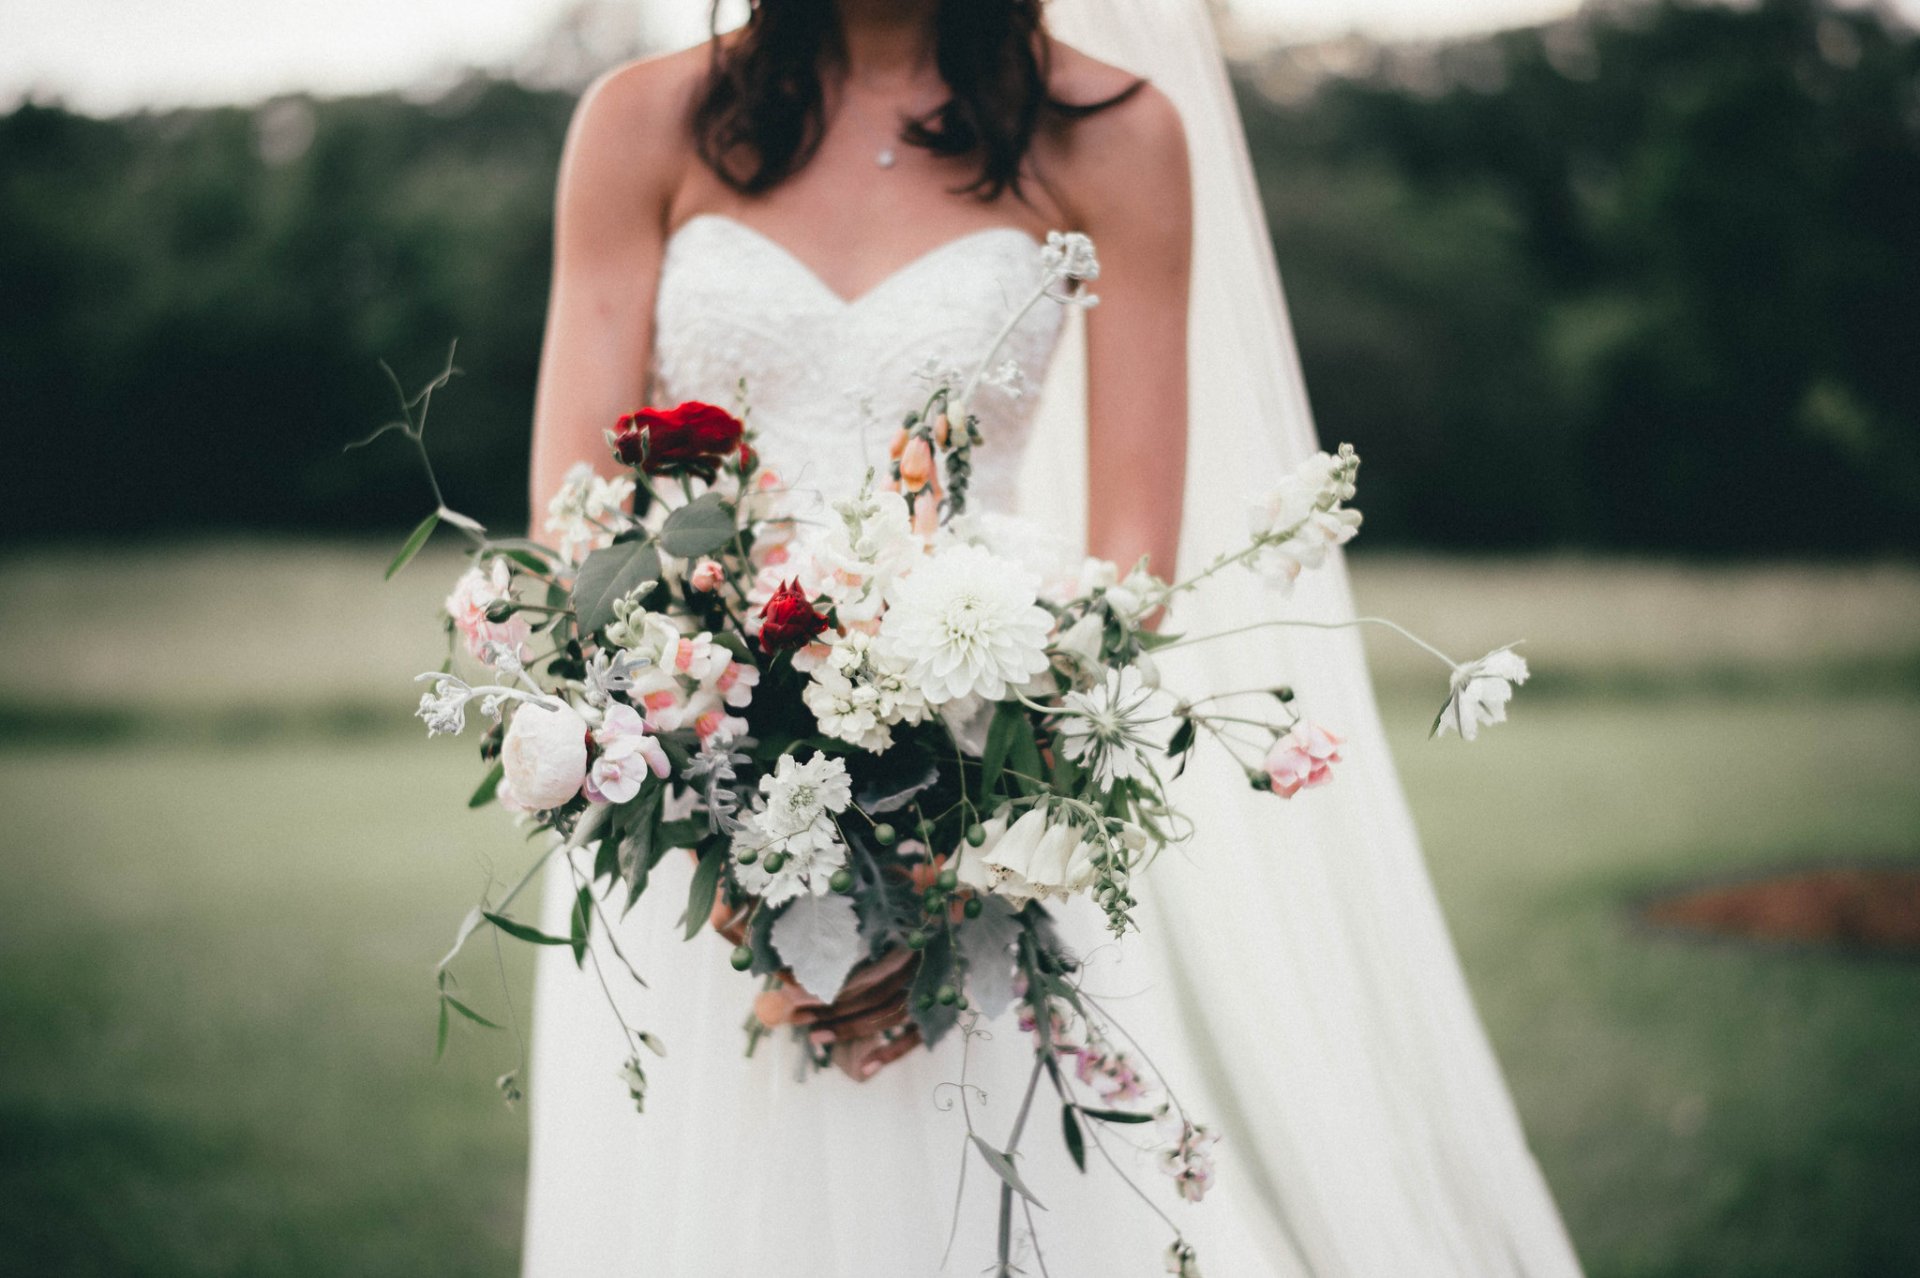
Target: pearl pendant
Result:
[885, 158]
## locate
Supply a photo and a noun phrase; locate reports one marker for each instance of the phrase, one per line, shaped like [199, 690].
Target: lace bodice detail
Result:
[735, 304]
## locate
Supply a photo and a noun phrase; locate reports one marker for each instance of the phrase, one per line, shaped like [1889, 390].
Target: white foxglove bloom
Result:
[1037, 857]
[544, 755]
[966, 622]
[1082, 640]
[584, 498]
[1106, 729]
[1480, 692]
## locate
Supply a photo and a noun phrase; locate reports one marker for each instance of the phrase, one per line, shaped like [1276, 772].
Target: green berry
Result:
[976, 834]
[841, 881]
[948, 881]
[933, 900]
[926, 830]
[916, 940]
[884, 834]
[742, 958]
[747, 856]
[974, 907]
[963, 1005]
[922, 1003]
[946, 995]
[774, 861]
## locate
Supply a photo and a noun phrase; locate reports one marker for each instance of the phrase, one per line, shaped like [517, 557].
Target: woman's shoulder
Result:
[629, 141]
[1138, 142]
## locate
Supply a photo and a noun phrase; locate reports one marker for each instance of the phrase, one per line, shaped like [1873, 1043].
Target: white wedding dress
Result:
[1293, 979]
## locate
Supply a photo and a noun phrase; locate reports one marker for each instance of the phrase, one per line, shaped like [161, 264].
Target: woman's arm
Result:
[623, 159]
[1130, 191]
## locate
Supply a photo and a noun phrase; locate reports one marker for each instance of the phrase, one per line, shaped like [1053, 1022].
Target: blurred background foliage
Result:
[1641, 279]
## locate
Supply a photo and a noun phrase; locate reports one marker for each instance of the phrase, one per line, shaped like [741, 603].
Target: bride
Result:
[819, 203]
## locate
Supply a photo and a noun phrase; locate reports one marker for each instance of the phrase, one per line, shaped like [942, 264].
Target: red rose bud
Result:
[748, 458]
[693, 439]
[788, 621]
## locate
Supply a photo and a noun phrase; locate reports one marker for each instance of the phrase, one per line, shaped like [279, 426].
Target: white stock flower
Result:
[1479, 693]
[544, 755]
[966, 622]
[1105, 729]
[583, 498]
[857, 693]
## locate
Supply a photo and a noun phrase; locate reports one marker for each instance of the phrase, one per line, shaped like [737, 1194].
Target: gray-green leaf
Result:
[608, 574]
[415, 539]
[700, 527]
[1003, 1168]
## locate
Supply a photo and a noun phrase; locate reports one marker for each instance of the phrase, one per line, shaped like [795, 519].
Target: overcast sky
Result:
[113, 55]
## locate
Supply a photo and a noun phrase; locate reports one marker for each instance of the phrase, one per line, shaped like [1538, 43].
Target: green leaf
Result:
[1182, 739]
[1150, 640]
[527, 559]
[706, 883]
[440, 1039]
[698, 528]
[609, 574]
[1114, 1115]
[475, 917]
[520, 931]
[416, 539]
[448, 1000]
[1003, 1168]
[1076, 1143]
[1008, 722]
[1025, 758]
[681, 834]
[581, 924]
[487, 788]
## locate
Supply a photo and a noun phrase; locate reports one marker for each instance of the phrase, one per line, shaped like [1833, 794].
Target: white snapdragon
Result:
[1302, 517]
[587, 510]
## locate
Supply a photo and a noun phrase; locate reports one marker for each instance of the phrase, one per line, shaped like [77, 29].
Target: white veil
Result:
[1299, 970]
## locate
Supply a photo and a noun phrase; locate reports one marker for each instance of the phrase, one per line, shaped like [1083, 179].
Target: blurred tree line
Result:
[1644, 279]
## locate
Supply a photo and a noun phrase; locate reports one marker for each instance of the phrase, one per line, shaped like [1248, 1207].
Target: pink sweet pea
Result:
[1303, 758]
[627, 753]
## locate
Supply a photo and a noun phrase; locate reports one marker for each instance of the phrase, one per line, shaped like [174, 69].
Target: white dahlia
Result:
[966, 622]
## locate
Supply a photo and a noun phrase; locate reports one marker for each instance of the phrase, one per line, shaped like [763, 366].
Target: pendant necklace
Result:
[886, 157]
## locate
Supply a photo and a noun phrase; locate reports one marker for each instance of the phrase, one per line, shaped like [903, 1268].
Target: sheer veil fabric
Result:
[1294, 975]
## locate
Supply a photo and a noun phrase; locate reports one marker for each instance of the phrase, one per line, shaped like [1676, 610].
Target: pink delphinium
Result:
[1304, 757]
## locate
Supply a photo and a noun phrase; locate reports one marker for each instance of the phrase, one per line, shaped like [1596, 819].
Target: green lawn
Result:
[215, 951]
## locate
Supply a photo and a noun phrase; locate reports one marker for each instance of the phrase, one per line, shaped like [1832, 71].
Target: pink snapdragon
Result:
[1189, 1160]
[706, 576]
[1304, 757]
[1111, 1074]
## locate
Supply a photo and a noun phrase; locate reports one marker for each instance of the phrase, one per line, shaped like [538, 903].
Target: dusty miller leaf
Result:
[819, 938]
[987, 944]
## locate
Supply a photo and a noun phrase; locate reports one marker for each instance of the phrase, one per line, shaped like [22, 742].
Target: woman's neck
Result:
[887, 43]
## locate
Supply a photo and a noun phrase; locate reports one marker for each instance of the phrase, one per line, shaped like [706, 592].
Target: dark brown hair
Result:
[762, 113]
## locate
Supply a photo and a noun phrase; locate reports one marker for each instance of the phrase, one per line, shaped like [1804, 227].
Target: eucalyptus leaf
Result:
[698, 528]
[819, 938]
[415, 539]
[611, 573]
[1003, 1168]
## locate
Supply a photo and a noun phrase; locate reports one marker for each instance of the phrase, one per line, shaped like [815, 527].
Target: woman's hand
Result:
[865, 1028]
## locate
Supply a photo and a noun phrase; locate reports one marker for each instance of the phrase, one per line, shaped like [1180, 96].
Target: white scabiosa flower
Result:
[1479, 693]
[858, 692]
[791, 845]
[1107, 729]
[965, 622]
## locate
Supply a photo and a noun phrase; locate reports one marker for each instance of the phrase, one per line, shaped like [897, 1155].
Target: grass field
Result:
[226, 888]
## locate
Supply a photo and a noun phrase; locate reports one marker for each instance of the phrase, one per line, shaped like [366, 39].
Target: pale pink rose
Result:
[545, 755]
[477, 590]
[1303, 758]
[706, 576]
[628, 752]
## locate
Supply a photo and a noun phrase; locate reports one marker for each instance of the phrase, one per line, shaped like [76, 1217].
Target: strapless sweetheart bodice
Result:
[829, 378]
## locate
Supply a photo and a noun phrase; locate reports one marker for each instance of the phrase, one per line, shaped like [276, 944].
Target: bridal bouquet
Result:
[888, 741]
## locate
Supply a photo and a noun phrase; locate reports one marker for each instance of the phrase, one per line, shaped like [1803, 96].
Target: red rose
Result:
[693, 439]
[788, 621]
